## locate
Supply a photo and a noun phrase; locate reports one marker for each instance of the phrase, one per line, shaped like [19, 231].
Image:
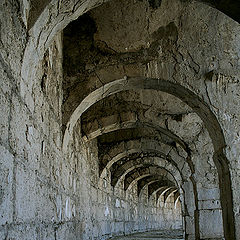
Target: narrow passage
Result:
[154, 235]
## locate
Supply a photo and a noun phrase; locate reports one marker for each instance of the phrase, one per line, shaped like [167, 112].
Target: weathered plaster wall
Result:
[31, 159]
[32, 168]
[40, 190]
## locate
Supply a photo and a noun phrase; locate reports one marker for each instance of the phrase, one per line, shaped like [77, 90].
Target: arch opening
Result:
[119, 117]
[187, 96]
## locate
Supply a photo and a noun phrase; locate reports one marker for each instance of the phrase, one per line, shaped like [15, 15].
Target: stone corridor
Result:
[119, 116]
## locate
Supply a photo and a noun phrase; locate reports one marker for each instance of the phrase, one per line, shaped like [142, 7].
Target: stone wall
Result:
[45, 194]
[104, 211]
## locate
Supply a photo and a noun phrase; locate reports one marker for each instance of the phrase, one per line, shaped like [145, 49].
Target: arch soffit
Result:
[130, 119]
[144, 168]
[154, 187]
[159, 165]
[175, 89]
[41, 36]
[169, 193]
[125, 148]
[128, 185]
[53, 19]
[145, 181]
[41, 33]
[170, 165]
[134, 123]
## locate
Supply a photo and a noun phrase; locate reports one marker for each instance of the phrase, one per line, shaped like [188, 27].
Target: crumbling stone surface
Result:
[140, 93]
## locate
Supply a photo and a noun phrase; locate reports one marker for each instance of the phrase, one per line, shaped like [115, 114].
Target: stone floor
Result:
[154, 235]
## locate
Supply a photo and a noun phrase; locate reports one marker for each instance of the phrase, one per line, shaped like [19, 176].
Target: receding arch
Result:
[160, 191]
[146, 176]
[175, 89]
[198, 105]
[130, 178]
[124, 150]
[144, 147]
[176, 197]
[134, 181]
[57, 25]
[137, 179]
[153, 187]
[143, 167]
[169, 193]
[127, 120]
[142, 183]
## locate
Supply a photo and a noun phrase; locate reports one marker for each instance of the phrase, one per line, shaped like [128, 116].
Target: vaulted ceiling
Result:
[229, 7]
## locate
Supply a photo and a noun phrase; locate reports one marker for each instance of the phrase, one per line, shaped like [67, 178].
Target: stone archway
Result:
[196, 104]
[219, 144]
[188, 48]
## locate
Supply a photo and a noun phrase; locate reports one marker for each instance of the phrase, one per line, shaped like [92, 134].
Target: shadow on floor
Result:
[153, 235]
